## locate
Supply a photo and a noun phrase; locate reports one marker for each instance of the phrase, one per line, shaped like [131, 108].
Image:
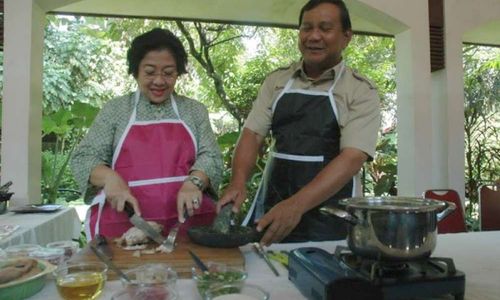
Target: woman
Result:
[153, 149]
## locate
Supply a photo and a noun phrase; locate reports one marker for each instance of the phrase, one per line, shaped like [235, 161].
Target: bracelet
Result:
[196, 181]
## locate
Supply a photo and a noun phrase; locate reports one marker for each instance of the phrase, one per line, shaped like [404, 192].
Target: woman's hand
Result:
[117, 193]
[189, 198]
[115, 188]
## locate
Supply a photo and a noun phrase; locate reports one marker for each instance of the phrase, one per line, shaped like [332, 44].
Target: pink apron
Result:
[154, 157]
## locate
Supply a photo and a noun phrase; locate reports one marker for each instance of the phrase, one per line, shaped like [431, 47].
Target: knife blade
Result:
[101, 243]
[102, 257]
[143, 225]
[262, 254]
[198, 261]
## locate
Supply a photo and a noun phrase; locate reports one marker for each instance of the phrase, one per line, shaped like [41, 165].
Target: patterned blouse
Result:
[98, 146]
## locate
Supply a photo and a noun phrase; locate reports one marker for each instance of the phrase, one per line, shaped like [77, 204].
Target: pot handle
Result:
[450, 207]
[337, 212]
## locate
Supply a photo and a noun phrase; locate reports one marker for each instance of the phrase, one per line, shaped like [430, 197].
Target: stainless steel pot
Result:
[392, 228]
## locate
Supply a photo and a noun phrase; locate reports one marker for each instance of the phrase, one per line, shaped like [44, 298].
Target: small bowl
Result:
[80, 281]
[218, 274]
[22, 250]
[165, 293]
[236, 292]
[152, 276]
[54, 256]
[70, 248]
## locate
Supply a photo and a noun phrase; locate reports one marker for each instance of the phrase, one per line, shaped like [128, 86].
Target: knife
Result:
[101, 243]
[143, 225]
[198, 261]
[105, 259]
[260, 252]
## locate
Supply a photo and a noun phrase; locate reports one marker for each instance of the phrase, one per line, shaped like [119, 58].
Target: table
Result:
[41, 228]
[475, 253]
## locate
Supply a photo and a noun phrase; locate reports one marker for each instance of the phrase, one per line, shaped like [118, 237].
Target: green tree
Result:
[482, 122]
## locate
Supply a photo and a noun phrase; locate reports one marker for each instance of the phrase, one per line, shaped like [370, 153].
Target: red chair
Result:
[455, 222]
[489, 206]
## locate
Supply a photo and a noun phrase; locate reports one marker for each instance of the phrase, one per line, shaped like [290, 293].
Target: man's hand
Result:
[117, 193]
[280, 221]
[233, 193]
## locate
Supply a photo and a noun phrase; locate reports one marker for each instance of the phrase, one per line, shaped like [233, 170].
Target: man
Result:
[324, 119]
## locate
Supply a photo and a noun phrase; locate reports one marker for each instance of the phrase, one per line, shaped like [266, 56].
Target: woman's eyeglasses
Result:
[167, 75]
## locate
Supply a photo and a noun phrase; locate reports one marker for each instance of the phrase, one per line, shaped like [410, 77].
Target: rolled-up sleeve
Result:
[209, 157]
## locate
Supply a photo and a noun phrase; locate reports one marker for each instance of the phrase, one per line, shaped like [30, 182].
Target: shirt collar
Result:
[328, 74]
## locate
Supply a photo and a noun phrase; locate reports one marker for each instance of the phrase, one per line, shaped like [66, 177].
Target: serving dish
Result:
[47, 208]
[27, 285]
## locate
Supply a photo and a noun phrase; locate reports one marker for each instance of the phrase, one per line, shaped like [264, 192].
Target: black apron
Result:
[306, 137]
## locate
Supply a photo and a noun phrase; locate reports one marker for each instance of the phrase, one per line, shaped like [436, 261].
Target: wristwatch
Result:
[197, 181]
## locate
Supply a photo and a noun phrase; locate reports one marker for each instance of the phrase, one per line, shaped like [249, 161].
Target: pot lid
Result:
[410, 204]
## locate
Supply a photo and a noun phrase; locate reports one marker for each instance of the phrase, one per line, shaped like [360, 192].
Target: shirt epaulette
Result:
[281, 69]
[360, 77]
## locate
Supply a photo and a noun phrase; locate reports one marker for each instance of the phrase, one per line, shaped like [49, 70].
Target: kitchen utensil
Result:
[101, 243]
[262, 254]
[28, 285]
[236, 292]
[198, 261]
[169, 243]
[237, 236]
[392, 228]
[223, 221]
[150, 275]
[219, 274]
[108, 262]
[143, 225]
[5, 187]
[80, 281]
[70, 248]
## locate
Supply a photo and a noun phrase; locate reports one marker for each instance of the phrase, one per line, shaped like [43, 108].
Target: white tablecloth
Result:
[476, 254]
[41, 228]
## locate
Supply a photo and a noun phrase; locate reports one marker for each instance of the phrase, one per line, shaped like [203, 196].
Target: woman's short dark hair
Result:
[344, 13]
[156, 39]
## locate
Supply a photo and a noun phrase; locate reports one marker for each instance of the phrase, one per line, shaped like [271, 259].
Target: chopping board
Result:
[179, 259]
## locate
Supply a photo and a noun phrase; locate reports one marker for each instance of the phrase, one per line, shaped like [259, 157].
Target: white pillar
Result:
[415, 123]
[22, 99]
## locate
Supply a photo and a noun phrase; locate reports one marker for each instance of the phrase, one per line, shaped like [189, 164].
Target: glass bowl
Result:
[217, 274]
[80, 281]
[150, 277]
[165, 293]
[236, 292]
[70, 248]
[22, 250]
[54, 256]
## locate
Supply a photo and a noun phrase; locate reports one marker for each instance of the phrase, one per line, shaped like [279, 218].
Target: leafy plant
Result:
[67, 127]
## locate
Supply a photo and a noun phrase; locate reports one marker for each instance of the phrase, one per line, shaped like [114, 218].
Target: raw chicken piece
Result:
[135, 236]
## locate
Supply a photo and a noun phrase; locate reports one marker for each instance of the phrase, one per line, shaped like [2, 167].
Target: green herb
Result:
[208, 279]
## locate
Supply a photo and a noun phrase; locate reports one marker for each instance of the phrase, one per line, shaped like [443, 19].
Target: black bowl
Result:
[237, 236]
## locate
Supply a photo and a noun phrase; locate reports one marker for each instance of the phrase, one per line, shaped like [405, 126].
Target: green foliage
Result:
[66, 127]
[85, 63]
[482, 123]
[382, 171]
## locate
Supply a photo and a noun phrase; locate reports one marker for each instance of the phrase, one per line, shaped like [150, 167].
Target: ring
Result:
[196, 201]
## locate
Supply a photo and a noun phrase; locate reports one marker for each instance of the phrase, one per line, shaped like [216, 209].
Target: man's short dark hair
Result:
[344, 13]
[156, 39]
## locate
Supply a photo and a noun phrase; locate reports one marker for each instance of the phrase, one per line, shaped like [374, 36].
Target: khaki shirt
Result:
[357, 101]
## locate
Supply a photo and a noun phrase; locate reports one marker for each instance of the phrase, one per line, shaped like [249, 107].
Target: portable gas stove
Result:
[319, 274]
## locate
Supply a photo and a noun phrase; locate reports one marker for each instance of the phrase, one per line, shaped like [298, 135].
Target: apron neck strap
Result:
[137, 97]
